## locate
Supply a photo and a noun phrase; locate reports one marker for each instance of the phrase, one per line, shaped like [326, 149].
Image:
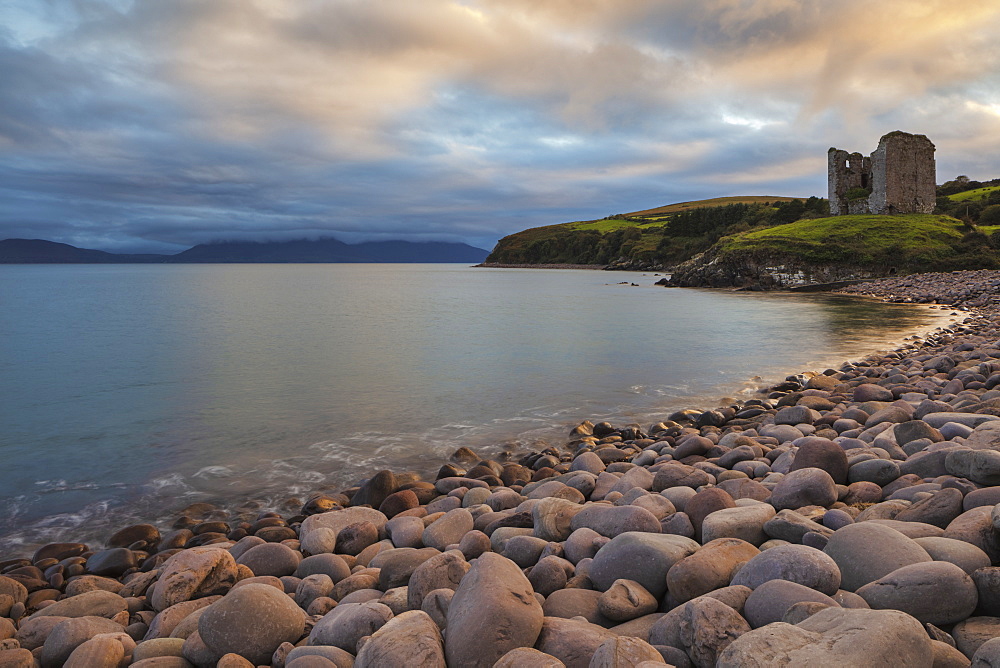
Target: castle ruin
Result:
[899, 177]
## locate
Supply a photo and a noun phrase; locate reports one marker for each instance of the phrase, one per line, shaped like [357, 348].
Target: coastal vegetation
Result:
[652, 238]
[963, 232]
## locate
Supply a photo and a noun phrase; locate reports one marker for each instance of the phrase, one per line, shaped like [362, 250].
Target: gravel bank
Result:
[850, 516]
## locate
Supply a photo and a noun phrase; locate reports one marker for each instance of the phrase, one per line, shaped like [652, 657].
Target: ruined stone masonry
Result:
[899, 177]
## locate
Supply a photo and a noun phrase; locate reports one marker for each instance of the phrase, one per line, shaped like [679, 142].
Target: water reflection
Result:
[131, 390]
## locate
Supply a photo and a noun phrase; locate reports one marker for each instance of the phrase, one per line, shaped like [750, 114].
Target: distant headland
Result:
[328, 250]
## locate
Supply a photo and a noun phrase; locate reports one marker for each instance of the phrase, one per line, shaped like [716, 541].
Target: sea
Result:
[128, 392]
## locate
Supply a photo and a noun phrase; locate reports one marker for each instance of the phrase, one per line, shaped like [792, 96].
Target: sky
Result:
[154, 125]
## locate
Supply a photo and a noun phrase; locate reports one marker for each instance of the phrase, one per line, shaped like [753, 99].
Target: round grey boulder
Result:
[411, 639]
[493, 611]
[642, 557]
[804, 565]
[834, 637]
[804, 487]
[349, 622]
[251, 621]
[966, 556]
[448, 529]
[770, 601]
[936, 592]
[866, 551]
[275, 559]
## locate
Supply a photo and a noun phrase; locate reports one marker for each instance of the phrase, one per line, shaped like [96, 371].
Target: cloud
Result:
[156, 125]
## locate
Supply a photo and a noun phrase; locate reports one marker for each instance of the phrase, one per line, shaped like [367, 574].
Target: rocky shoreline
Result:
[848, 517]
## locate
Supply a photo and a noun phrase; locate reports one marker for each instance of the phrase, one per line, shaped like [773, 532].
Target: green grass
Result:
[972, 195]
[717, 201]
[912, 241]
[608, 225]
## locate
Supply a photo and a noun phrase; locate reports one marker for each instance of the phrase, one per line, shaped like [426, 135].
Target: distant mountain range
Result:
[39, 251]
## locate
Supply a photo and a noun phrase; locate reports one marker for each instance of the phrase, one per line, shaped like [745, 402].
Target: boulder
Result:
[338, 519]
[349, 622]
[275, 559]
[612, 521]
[966, 556]
[642, 557]
[702, 627]
[804, 487]
[743, 522]
[577, 602]
[528, 657]
[771, 601]
[626, 600]
[979, 466]
[970, 634]
[97, 603]
[410, 639]
[443, 571]
[708, 569]
[834, 637]
[551, 518]
[804, 565]
[194, 573]
[448, 529]
[251, 621]
[935, 592]
[821, 453]
[105, 650]
[574, 642]
[703, 504]
[624, 652]
[69, 634]
[493, 611]
[987, 656]
[866, 551]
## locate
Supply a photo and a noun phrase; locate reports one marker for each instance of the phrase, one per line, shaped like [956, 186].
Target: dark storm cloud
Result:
[158, 125]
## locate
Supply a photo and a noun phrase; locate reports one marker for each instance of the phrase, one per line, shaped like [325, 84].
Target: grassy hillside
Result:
[974, 195]
[913, 240]
[652, 238]
[717, 201]
[841, 248]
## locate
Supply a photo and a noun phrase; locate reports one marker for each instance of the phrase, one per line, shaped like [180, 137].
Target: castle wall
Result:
[844, 172]
[908, 180]
[901, 175]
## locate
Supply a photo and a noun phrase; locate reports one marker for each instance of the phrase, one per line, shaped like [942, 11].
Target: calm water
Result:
[130, 391]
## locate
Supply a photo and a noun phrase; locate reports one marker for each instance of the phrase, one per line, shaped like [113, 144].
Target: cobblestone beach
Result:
[845, 516]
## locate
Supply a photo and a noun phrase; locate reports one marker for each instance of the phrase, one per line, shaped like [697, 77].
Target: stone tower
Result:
[899, 177]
